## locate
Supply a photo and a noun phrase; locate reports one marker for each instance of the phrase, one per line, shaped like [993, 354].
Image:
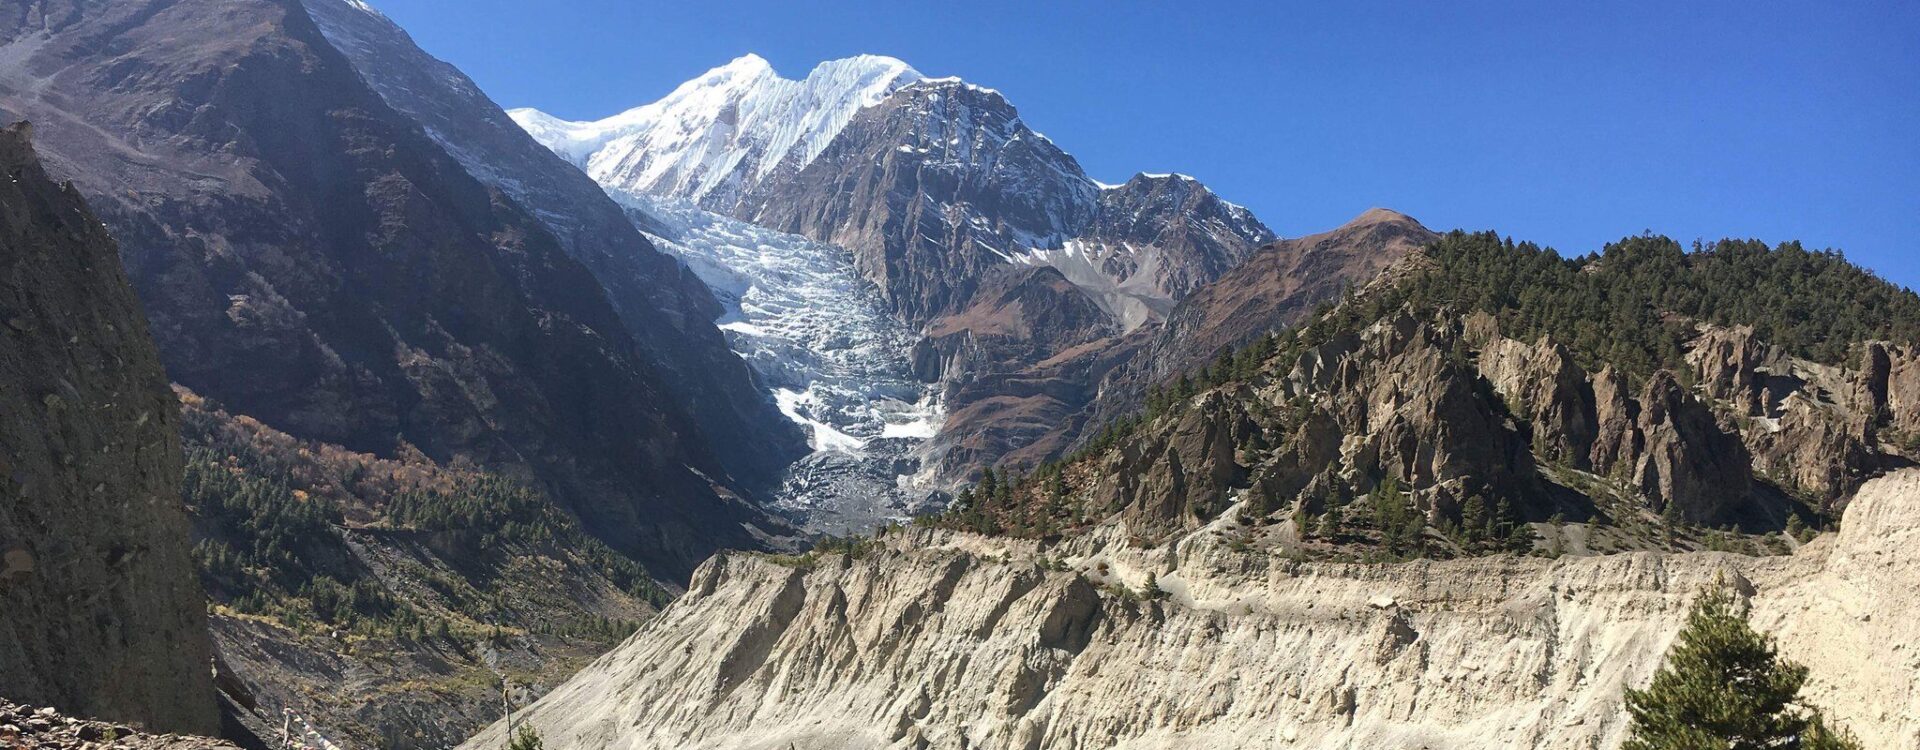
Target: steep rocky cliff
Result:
[100, 611]
[940, 640]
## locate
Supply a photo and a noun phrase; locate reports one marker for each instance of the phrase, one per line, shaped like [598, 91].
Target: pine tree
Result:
[1796, 528]
[1474, 521]
[1724, 686]
[1330, 523]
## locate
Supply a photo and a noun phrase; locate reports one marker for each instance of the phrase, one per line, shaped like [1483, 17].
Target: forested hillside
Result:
[1486, 395]
[422, 578]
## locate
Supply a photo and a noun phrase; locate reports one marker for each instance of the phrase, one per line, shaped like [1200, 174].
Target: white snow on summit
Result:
[718, 134]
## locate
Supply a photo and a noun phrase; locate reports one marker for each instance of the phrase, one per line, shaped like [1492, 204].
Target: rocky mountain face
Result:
[1392, 401]
[950, 640]
[100, 611]
[311, 257]
[1154, 240]
[1819, 429]
[1018, 365]
[666, 307]
[943, 180]
[929, 189]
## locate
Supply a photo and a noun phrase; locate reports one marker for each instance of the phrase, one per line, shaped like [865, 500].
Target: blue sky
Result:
[1569, 124]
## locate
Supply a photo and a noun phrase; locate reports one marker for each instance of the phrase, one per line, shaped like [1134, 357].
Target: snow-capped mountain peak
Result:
[724, 131]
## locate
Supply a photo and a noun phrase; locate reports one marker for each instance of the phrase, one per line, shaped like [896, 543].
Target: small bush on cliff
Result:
[527, 738]
[1724, 686]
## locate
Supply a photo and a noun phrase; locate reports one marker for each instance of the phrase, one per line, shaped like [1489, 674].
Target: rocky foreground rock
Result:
[30, 728]
[939, 640]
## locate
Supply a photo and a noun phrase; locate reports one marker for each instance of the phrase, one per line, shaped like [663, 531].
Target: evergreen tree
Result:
[1796, 528]
[1474, 520]
[1724, 686]
[1330, 523]
[1302, 520]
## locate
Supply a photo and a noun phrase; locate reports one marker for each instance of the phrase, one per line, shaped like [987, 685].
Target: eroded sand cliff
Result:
[948, 641]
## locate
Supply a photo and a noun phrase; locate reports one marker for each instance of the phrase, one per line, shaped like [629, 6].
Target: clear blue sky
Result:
[1570, 124]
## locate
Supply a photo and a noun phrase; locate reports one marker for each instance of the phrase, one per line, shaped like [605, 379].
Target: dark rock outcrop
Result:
[101, 613]
[1819, 430]
[1182, 475]
[1890, 378]
[1672, 450]
[1391, 402]
[1550, 391]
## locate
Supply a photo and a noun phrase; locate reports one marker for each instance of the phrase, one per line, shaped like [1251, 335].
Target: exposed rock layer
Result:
[100, 611]
[949, 641]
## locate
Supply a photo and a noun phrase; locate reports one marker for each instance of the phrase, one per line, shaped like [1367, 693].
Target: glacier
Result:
[828, 352]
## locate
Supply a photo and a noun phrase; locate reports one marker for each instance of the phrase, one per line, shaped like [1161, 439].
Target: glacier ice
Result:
[834, 361]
